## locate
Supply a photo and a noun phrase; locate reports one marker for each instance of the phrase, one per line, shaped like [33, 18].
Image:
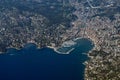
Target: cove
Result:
[31, 63]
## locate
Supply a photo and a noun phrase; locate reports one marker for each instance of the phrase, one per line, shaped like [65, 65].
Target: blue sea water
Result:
[31, 63]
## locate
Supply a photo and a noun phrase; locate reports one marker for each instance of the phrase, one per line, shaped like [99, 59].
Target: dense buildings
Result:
[31, 21]
[102, 26]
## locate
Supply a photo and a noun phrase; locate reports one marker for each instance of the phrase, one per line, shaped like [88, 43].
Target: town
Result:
[101, 24]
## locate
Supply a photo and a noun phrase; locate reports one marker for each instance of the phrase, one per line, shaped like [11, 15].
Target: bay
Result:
[31, 63]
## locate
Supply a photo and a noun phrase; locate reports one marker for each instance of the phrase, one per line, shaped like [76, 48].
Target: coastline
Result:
[55, 49]
[69, 51]
[52, 47]
[103, 33]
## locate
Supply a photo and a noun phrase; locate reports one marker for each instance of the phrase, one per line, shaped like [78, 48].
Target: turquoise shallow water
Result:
[31, 63]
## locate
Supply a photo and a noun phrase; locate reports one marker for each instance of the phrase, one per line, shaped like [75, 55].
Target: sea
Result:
[31, 63]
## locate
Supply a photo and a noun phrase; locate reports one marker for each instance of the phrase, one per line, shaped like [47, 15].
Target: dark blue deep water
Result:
[31, 63]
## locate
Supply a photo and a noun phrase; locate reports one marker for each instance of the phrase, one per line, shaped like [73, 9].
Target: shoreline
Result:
[69, 51]
[52, 47]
